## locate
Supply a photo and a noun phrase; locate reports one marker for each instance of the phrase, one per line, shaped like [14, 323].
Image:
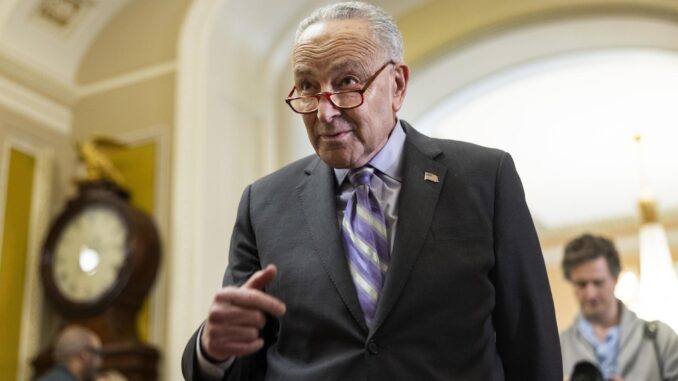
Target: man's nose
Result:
[590, 290]
[326, 110]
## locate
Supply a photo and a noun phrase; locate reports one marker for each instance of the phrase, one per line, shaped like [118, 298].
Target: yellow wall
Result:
[13, 258]
[137, 165]
[53, 154]
[19, 128]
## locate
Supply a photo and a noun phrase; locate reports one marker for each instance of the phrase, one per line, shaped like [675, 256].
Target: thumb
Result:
[261, 278]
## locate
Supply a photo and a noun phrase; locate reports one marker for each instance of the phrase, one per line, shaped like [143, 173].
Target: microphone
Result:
[586, 371]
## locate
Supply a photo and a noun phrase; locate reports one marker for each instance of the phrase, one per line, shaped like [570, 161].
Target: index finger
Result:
[251, 299]
[261, 278]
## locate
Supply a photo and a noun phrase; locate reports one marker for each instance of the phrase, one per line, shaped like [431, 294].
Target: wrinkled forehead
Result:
[332, 45]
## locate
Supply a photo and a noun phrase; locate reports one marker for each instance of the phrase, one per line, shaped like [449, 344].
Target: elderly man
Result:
[77, 353]
[606, 333]
[387, 255]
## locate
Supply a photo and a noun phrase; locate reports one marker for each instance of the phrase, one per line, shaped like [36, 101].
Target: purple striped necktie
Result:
[367, 247]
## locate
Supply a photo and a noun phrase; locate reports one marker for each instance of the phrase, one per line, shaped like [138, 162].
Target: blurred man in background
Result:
[605, 332]
[77, 354]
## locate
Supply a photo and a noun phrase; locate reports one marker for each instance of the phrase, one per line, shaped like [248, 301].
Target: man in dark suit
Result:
[388, 255]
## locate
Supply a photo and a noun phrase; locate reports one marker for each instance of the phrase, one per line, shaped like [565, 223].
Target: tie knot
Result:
[361, 176]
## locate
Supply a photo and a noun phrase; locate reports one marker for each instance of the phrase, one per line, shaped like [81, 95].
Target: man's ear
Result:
[402, 76]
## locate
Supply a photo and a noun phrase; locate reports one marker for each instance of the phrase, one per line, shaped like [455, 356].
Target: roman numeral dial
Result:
[89, 254]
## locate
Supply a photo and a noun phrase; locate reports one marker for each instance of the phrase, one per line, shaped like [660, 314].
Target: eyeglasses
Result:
[345, 100]
[95, 351]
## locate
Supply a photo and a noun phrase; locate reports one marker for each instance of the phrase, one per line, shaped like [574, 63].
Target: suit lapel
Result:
[316, 194]
[417, 201]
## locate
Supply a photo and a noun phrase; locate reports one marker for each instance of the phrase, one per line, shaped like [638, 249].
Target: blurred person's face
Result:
[92, 359]
[594, 288]
[342, 55]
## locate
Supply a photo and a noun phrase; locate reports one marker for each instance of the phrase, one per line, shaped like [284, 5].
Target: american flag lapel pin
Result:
[432, 177]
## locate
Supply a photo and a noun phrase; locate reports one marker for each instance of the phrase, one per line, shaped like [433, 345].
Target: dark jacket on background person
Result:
[58, 373]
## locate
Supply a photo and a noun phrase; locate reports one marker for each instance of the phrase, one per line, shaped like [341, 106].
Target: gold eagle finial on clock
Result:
[98, 166]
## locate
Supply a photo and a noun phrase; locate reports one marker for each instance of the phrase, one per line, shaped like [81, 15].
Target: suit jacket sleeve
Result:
[524, 317]
[243, 262]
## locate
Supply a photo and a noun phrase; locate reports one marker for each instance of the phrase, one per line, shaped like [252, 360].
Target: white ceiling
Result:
[37, 44]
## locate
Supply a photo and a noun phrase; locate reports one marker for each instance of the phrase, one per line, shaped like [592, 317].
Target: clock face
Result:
[89, 254]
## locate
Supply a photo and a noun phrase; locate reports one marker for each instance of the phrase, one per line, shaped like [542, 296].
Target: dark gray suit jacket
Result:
[58, 373]
[466, 296]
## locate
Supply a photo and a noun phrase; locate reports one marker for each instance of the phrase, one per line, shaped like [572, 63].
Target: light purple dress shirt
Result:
[386, 183]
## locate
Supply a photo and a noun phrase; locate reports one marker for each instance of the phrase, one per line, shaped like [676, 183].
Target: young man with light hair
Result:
[605, 332]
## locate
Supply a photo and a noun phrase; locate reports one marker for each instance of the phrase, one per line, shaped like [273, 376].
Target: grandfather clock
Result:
[98, 263]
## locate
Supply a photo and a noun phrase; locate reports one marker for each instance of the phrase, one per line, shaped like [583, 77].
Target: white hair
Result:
[382, 25]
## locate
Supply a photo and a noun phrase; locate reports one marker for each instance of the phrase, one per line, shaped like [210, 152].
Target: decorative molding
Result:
[624, 230]
[648, 10]
[63, 13]
[623, 225]
[127, 79]
[483, 57]
[5, 157]
[24, 72]
[39, 222]
[34, 106]
[31, 308]
[4, 179]
[38, 42]
[58, 116]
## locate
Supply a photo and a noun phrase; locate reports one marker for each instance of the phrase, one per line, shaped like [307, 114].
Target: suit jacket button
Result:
[372, 347]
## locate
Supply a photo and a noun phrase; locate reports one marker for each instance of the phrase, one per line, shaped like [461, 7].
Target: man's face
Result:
[342, 55]
[594, 288]
[92, 361]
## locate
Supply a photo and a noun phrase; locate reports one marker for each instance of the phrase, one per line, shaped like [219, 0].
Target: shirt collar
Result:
[388, 160]
[586, 329]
